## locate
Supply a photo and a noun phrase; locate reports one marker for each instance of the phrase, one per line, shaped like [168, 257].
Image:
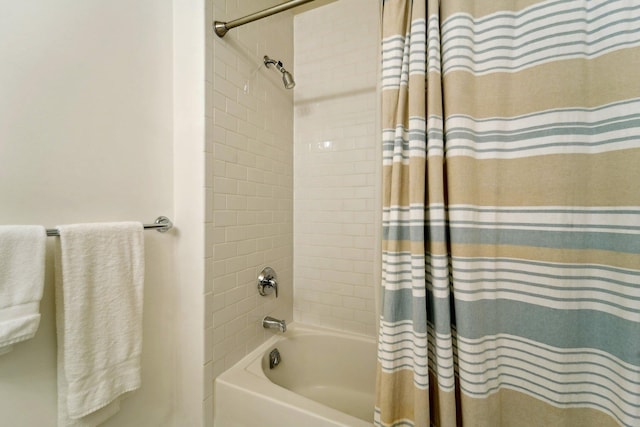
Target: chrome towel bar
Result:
[162, 224]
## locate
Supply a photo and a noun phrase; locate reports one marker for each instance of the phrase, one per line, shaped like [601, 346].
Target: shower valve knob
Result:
[268, 282]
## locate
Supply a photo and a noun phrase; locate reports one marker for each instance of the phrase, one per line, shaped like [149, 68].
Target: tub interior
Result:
[335, 371]
[325, 378]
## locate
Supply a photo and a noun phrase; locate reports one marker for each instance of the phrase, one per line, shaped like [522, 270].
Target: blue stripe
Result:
[557, 328]
[497, 272]
[456, 223]
[626, 102]
[616, 242]
[546, 145]
[546, 130]
[604, 268]
[532, 146]
[403, 305]
[595, 210]
[490, 343]
[540, 294]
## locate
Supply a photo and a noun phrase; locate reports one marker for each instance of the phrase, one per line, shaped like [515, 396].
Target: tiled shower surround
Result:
[250, 174]
[335, 165]
[249, 185]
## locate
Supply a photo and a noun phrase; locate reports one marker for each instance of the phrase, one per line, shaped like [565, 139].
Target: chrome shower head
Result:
[287, 78]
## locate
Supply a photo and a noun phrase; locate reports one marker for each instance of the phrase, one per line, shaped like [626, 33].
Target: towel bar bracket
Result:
[163, 224]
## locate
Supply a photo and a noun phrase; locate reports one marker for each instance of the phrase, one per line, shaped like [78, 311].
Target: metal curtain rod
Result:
[221, 28]
[162, 225]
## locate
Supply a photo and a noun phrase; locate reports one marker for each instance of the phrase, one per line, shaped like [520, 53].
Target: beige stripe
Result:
[404, 184]
[482, 8]
[436, 180]
[607, 179]
[399, 104]
[417, 103]
[559, 84]
[398, 398]
[392, 196]
[564, 256]
[512, 408]
[394, 16]
[444, 408]
[391, 110]
[415, 248]
[434, 95]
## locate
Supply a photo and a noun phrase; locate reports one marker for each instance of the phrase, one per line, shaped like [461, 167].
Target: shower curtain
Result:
[511, 217]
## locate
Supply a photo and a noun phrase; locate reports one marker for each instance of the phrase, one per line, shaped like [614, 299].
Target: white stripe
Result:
[468, 137]
[433, 45]
[394, 354]
[404, 56]
[396, 214]
[558, 276]
[557, 286]
[622, 139]
[443, 366]
[558, 376]
[556, 218]
[544, 118]
[627, 312]
[439, 268]
[610, 32]
[417, 55]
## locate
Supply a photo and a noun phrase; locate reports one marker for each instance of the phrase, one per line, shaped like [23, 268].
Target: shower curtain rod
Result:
[162, 224]
[221, 28]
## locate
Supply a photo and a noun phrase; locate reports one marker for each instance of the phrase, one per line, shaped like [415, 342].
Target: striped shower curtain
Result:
[511, 222]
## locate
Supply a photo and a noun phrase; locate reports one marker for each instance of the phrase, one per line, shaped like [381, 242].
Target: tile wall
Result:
[336, 177]
[249, 182]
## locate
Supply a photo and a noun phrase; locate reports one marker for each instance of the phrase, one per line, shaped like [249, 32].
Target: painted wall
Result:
[336, 177]
[187, 304]
[249, 182]
[86, 134]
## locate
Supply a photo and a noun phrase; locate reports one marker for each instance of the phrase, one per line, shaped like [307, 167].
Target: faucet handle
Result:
[268, 282]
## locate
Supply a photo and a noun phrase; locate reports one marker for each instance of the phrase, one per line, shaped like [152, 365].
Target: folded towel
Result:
[99, 295]
[22, 254]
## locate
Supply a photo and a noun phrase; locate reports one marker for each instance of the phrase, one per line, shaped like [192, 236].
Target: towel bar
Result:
[162, 224]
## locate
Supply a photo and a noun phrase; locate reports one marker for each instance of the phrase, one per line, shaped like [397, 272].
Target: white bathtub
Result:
[325, 379]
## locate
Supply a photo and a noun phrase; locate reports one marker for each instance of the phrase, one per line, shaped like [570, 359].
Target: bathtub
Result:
[325, 379]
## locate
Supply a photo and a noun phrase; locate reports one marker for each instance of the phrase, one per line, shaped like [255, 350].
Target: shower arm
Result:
[278, 64]
[221, 28]
[287, 78]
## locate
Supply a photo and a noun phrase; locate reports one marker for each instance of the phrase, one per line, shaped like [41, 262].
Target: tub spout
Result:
[272, 323]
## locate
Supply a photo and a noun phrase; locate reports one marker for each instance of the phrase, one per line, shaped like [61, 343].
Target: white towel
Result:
[22, 255]
[99, 295]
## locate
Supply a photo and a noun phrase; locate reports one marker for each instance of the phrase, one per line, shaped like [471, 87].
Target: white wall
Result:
[187, 306]
[336, 176]
[249, 194]
[86, 134]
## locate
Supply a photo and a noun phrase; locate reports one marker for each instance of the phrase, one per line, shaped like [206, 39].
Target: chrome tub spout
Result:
[273, 323]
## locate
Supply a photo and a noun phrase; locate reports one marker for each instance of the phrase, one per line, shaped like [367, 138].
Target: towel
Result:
[22, 255]
[99, 298]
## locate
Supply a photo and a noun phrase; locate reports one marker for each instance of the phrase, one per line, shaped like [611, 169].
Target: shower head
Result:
[287, 78]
